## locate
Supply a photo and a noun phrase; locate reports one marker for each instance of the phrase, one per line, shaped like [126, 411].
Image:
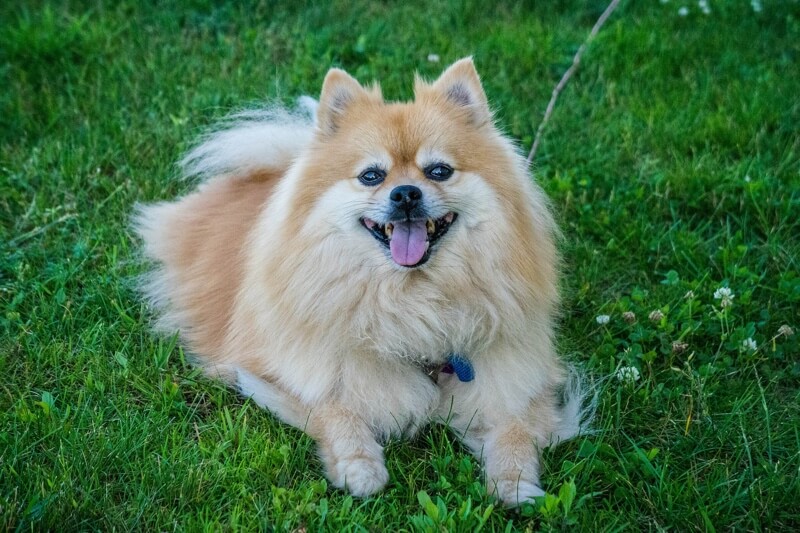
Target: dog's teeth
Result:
[431, 225]
[389, 229]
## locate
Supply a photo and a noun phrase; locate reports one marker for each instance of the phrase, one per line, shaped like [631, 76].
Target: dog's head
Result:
[405, 181]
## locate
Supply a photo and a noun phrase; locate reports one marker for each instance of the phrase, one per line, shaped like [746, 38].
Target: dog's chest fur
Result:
[413, 319]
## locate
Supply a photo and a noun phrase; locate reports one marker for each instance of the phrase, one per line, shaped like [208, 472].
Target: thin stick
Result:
[567, 75]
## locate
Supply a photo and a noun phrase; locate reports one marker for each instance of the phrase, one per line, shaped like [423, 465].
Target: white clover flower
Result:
[785, 330]
[723, 292]
[689, 295]
[679, 347]
[756, 5]
[629, 317]
[628, 374]
[433, 58]
[703, 5]
[656, 316]
[725, 296]
[683, 11]
[603, 319]
[749, 345]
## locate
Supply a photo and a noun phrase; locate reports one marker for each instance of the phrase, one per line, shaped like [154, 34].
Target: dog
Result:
[367, 267]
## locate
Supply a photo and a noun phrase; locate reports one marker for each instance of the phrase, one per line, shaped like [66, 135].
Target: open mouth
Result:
[410, 241]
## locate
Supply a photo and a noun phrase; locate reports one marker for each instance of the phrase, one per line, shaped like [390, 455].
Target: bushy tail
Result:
[579, 407]
[249, 141]
[273, 398]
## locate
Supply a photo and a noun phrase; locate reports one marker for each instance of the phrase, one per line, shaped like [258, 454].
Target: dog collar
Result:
[454, 364]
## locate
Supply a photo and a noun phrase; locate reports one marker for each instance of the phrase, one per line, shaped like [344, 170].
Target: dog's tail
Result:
[578, 408]
[271, 397]
[249, 141]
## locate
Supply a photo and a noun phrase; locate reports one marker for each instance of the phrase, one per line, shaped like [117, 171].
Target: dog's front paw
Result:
[362, 476]
[515, 492]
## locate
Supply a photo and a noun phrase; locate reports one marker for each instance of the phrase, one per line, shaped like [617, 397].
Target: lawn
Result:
[673, 163]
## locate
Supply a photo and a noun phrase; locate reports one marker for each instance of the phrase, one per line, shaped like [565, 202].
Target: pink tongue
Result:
[409, 242]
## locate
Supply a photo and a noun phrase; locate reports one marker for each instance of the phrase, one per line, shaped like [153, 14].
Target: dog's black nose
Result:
[405, 197]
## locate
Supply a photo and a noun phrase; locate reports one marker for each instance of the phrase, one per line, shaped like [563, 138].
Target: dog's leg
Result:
[511, 459]
[352, 457]
[509, 448]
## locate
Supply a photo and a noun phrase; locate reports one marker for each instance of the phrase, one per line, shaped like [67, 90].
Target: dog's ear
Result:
[461, 85]
[339, 91]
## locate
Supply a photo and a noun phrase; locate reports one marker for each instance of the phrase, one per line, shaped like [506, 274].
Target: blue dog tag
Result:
[461, 366]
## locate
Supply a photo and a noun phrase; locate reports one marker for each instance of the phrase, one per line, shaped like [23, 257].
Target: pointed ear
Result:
[460, 85]
[339, 91]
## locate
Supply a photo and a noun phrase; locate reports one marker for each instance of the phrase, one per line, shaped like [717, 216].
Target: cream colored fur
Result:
[277, 287]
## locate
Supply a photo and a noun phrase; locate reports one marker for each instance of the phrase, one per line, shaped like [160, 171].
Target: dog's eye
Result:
[438, 172]
[372, 176]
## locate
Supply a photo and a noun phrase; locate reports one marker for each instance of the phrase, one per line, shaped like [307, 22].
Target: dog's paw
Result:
[362, 476]
[514, 493]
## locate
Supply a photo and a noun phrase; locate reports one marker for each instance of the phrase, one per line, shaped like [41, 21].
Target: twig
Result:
[567, 75]
[36, 231]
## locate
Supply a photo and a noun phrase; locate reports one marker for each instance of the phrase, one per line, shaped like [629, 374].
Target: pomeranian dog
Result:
[369, 267]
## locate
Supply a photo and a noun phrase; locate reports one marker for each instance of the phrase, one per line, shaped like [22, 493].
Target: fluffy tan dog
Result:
[363, 273]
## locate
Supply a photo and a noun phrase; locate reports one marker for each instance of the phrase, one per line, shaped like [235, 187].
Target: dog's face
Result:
[406, 181]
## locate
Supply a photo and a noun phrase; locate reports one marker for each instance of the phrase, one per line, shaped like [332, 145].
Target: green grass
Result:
[673, 161]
